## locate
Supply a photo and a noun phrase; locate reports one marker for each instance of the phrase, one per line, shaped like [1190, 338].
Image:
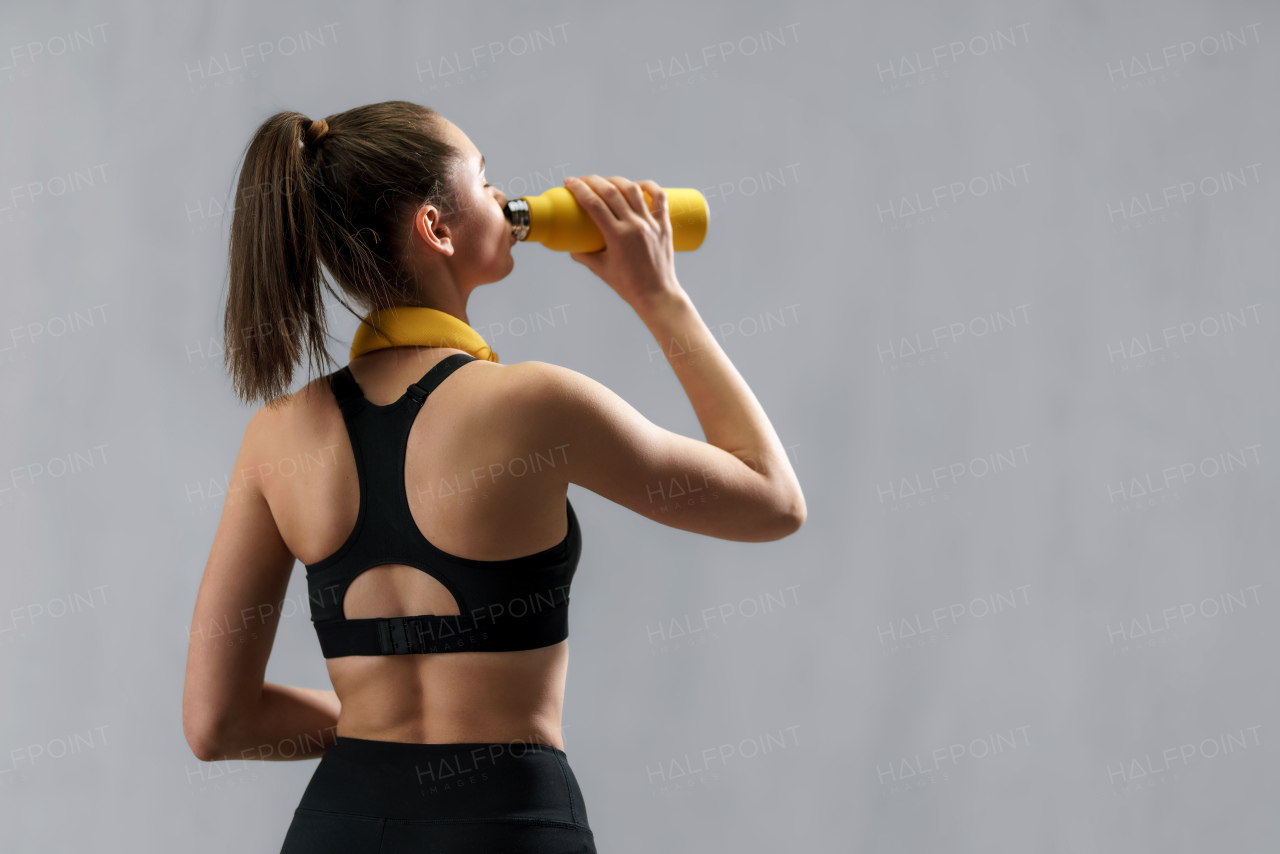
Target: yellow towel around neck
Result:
[405, 325]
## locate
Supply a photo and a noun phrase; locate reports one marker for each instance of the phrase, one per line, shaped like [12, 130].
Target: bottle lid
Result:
[517, 213]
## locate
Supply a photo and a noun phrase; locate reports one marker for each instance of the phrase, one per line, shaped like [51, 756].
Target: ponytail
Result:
[338, 190]
[274, 308]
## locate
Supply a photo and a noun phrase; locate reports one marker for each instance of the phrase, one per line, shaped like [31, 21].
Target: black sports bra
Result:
[521, 603]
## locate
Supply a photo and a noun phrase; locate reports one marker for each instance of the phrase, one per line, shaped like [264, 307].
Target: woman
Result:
[438, 576]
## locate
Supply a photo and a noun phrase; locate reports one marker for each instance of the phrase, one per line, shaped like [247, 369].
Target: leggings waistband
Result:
[464, 781]
[409, 752]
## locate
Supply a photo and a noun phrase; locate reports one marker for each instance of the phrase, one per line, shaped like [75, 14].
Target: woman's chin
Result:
[502, 272]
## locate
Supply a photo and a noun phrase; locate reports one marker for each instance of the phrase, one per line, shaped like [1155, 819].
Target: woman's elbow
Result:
[792, 518]
[778, 525]
[203, 734]
[789, 524]
[202, 744]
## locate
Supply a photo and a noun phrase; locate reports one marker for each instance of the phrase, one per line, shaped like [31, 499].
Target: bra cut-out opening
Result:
[396, 590]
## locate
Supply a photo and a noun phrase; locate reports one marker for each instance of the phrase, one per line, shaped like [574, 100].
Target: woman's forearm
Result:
[290, 723]
[730, 415]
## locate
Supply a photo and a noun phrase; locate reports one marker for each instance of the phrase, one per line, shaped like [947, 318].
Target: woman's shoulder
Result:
[308, 404]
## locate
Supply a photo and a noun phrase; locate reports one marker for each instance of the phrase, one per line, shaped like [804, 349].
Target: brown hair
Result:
[340, 190]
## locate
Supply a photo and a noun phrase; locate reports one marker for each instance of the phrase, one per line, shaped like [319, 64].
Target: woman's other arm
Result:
[229, 711]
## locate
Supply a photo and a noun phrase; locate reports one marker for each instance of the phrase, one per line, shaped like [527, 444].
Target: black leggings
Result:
[391, 796]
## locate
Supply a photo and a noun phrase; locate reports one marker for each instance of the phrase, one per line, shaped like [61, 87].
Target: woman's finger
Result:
[609, 193]
[659, 201]
[631, 192]
[591, 202]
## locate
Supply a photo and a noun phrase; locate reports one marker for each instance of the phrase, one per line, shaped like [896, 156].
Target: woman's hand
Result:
[638, 260]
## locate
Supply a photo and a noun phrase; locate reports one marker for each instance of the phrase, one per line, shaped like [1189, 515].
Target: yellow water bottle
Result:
[557, 221]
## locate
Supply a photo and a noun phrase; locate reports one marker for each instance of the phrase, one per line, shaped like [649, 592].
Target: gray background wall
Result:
[1002, 274]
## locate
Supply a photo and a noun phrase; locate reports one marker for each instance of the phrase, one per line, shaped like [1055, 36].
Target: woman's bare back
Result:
[467, 501]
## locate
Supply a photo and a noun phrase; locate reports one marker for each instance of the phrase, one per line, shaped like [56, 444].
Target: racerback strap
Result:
[347, 391]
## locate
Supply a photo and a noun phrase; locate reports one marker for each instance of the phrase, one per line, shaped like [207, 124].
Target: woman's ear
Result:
[429, 228]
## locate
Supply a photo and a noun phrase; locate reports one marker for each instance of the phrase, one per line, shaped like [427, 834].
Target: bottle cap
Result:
[517, 213]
